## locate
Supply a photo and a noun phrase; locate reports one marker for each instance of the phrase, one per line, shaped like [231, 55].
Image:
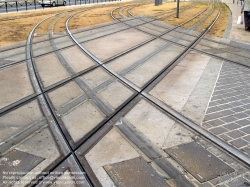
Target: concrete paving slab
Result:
[109, 46]
[134, 22]
[13, 55]
[149, 30]
[157, 127]
[15, 121]
[82, 120]
[115, 90]
[175, 89]
[41, 48]
[154, 65]
[197, 102]
[62, 41]
[14, 88]
[77, 59]
[96, 77]
[162, 24]
[127, 60]
[111, 149]
[50, 69]
[64, 94]
[99, 32]
[93, 27]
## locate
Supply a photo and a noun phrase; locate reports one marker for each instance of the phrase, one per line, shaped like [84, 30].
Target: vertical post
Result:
[178, 5]
[75, 2]
[35, 4]
[26, 5]
[6, 7]
[16, 6]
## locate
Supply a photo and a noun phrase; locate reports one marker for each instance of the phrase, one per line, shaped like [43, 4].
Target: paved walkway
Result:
[237, 32]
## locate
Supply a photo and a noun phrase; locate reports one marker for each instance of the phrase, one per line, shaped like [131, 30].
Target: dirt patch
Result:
[220, 26]
[92, 17]
[16, 27]
[151, 10]
[187, 14]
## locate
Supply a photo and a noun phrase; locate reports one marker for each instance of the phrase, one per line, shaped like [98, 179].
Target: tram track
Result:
[45, 40]
[167, 109]
[84, 71]
[98, 132]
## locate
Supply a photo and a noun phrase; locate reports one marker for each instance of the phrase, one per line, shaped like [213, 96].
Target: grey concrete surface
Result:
[14, 88]
[211, 92]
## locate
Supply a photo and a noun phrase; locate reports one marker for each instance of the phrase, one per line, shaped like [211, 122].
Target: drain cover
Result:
[16, 164]
[198, 161]
[133, 173]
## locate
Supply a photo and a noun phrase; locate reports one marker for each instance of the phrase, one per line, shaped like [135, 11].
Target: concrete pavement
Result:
[142, 144]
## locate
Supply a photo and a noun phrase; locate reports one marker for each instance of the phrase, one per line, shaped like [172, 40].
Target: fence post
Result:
[35, 4]
[177, 12]
[6, 7]
[16, 6]
[26, 5]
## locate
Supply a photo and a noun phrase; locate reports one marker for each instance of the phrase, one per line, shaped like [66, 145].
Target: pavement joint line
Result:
[130, 26]
[66, 148]
[7, 144]
[79, 81]
[9, 65]
[152, 152]
[90, 28]
[171, 41]
[113, 23]
[178, 116]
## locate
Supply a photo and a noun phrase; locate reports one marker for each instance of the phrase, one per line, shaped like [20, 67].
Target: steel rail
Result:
[201, 51]
[112, 58]
[46, 107]
[236, 153]
[15, 63]
[65, 34]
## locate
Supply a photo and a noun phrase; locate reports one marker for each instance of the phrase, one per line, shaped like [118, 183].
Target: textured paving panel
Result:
[15, 165]
[198, 161]
[228, 115]
[133, 173]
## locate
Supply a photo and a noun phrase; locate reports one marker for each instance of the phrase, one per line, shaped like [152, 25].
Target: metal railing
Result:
[25, 5]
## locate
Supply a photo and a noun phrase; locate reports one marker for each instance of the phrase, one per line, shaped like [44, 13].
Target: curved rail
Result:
[162, 105]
